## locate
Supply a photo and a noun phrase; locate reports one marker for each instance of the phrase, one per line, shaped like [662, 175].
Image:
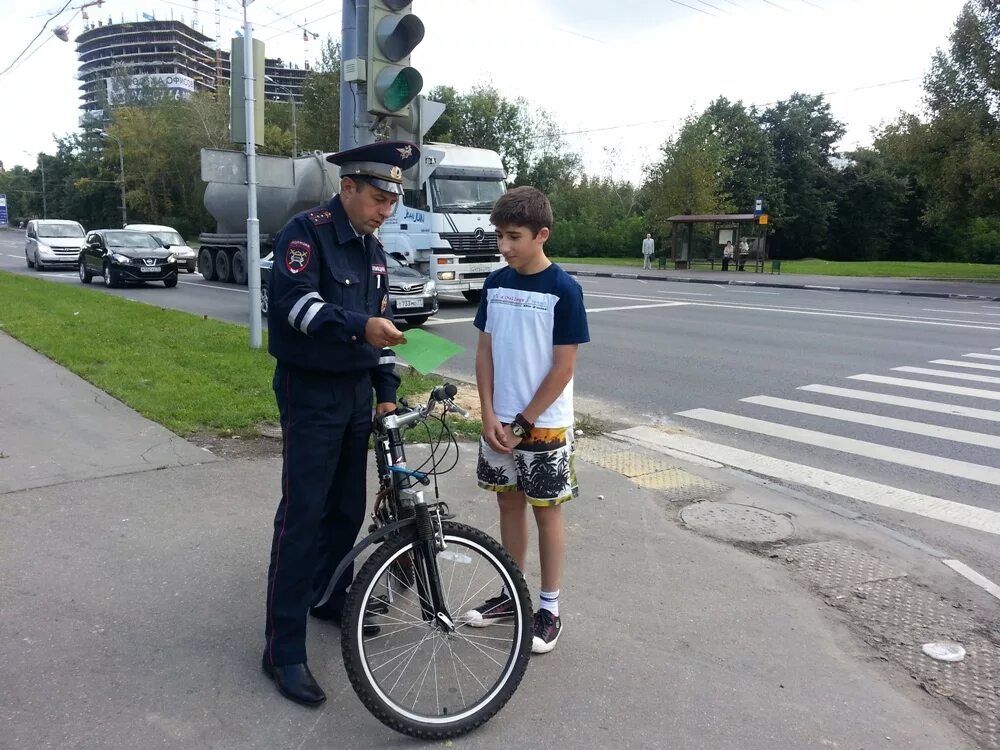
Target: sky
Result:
[618, 77]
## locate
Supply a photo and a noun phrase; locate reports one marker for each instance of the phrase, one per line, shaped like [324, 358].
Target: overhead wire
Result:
[45, 25]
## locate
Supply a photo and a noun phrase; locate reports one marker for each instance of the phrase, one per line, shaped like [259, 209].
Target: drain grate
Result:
[898, 617]
[737, 523]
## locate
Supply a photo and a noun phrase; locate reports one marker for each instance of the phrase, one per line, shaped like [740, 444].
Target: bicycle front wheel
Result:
[418, 674]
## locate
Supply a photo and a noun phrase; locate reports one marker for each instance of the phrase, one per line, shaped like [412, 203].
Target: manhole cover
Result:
[737, 523]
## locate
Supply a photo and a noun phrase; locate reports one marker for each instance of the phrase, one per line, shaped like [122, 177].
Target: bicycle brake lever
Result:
[452, 406]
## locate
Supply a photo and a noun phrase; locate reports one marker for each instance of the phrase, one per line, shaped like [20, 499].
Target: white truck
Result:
[440, 226]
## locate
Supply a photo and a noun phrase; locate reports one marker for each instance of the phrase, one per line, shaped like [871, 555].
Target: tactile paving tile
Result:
[899, 617]
[838, 565]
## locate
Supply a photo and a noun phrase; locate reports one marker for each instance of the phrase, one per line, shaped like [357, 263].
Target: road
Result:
[875, 402]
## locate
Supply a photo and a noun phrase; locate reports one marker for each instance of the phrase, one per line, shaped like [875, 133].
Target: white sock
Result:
[549, 600]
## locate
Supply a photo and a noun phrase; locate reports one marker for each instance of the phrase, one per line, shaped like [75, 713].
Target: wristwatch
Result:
[520, 426]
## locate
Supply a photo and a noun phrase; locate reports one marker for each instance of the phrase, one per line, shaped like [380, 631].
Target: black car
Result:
[413, 295]
[124, 255]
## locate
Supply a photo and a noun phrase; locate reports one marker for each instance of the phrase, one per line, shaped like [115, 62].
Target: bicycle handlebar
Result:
[443, 394]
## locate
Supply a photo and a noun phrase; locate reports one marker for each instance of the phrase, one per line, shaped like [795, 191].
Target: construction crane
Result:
[306, 34]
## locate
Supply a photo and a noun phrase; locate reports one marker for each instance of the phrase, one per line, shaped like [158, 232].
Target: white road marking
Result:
[862, 490]
[937, 464]
[200, 285]
[971, 365]
[19, 257]
[977, 578]
[947, 374]
[678, 303]
[912, 403]
[686, 294]
[446, 321]
[958, 390]
[983, 356]
[959, 312]
[875, 420]
[747, 291]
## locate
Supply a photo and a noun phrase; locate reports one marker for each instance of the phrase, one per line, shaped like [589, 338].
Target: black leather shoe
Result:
[335, 617]
[295, 682]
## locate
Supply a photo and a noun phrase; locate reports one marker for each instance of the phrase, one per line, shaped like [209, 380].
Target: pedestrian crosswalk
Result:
[917, 426]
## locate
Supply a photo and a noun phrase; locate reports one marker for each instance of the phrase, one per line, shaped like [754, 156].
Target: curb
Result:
[772, 285]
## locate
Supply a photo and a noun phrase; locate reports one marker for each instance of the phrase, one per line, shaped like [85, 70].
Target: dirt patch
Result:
[239, 446]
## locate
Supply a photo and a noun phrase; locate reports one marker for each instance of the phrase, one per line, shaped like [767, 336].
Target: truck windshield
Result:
[465, 194]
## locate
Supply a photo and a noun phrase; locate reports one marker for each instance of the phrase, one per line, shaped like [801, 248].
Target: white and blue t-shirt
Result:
[526, 315]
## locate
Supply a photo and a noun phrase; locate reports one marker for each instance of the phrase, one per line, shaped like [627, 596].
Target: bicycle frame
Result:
[398, 494]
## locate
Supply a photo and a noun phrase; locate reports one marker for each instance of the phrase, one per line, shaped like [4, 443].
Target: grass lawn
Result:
[185, 372]
[900, 269]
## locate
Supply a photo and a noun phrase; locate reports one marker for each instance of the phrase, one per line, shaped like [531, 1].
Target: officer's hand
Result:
[384, 407]
[380, 332]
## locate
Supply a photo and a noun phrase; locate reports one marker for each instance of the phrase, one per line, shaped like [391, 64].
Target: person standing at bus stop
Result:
[330, 326]
[647, 252]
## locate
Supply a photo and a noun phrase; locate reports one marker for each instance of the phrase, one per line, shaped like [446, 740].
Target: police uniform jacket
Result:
[326, 282]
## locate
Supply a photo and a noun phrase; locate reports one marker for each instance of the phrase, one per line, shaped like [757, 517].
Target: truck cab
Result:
[443, 227]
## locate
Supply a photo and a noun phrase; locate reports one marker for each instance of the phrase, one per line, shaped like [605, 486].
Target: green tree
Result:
[803, 131]
[318, 118]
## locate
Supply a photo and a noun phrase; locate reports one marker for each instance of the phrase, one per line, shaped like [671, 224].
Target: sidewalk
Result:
[980, 290]
[131, 610]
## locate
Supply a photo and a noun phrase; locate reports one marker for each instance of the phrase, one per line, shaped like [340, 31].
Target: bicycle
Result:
[411, 657]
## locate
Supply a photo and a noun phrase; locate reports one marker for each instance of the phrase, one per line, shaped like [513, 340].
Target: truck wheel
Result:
[240, 268]
[473, 295]
[206, 264]
[222, 266]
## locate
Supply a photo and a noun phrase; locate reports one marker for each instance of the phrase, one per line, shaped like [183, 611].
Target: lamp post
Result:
[121, 169]
[291, 100]
[253, 223]
[41, 167]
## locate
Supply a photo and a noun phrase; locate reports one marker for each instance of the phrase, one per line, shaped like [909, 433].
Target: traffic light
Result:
[393, 32]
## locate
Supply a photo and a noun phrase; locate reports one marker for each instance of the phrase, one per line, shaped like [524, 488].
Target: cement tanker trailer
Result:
[440, 226]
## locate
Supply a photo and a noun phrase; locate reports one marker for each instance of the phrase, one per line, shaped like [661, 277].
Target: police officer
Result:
[329, 328]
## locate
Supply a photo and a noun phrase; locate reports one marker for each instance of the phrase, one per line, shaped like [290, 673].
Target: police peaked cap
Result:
[381, 164]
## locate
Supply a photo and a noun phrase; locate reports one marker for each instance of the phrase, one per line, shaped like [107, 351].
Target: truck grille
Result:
[473, 243]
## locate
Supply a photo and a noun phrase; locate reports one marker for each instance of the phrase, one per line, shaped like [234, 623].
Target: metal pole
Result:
[348, 51]
[253, 225]
[295, 138]
[363, 135]
[121, 170]
[45, 202]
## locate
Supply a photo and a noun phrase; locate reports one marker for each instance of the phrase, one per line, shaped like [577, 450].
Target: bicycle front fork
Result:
[430, 541]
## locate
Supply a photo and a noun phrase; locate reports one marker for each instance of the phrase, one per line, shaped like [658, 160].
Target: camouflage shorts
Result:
[541, 466]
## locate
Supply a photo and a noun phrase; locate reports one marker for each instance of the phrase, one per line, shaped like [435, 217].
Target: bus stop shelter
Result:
[683, 253]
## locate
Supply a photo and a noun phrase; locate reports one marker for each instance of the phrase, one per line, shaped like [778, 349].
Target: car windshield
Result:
[470, 194]
[168, 238]
[60, 230]
[131, 239]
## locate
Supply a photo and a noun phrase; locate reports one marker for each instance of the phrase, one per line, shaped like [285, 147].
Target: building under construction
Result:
[170, 53]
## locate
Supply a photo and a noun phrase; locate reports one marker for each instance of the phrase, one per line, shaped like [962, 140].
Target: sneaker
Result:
[492, 610]
[547, 629]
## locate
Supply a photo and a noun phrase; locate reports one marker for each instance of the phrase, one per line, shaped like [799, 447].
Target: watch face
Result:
[517, 430]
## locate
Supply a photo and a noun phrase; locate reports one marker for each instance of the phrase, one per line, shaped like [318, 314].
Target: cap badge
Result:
[405, 152]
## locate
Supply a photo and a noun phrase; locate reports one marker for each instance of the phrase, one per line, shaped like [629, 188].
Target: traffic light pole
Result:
[354, 45]
[253, 224]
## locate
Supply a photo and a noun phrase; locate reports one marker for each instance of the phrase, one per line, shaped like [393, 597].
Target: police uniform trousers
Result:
[326, 422]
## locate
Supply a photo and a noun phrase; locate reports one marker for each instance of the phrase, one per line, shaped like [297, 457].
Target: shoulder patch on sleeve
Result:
[297, 256]
[319, 216]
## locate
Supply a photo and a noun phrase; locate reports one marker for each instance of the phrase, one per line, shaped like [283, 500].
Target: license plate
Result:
[476, 268]
[150, 269]
[402, 304]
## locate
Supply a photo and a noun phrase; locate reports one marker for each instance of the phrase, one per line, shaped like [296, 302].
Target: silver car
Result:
[53, 242]
[170, 238]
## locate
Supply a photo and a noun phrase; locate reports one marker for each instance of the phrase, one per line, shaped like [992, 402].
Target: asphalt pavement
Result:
[131, 611]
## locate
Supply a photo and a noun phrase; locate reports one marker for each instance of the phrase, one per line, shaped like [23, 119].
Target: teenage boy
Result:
[531, 320]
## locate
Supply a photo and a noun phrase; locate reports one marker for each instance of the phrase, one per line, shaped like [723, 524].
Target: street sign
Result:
[3, 210]
[758, 206]
[762, 219]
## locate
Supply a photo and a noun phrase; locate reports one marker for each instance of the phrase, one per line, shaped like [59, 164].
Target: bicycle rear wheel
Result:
[416, 676]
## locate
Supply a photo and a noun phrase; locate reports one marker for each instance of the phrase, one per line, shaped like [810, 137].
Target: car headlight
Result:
[119, 258]
[171, 259]
[43, 246]
[430, 287]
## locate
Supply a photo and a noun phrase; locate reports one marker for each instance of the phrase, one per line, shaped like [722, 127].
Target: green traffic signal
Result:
[398, 86]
